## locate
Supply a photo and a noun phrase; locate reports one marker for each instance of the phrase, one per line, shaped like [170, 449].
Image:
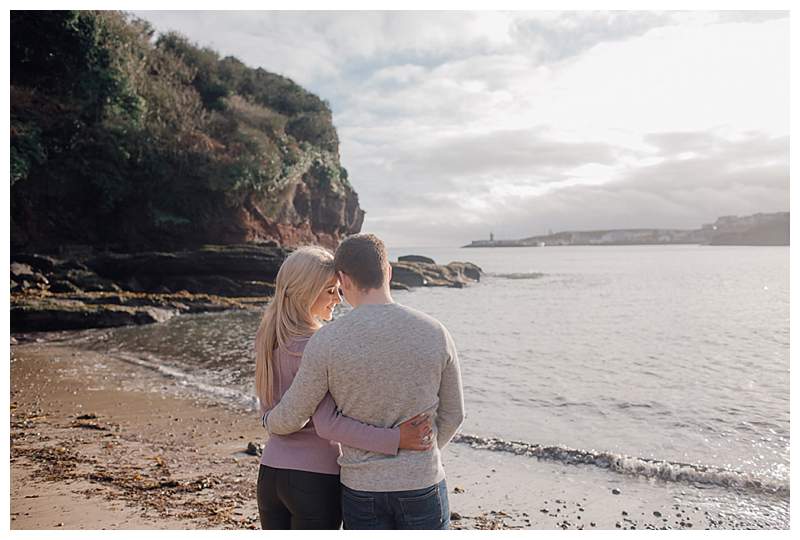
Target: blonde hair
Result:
[301, 278]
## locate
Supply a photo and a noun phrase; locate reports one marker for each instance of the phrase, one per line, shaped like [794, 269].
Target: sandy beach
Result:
[99, 443]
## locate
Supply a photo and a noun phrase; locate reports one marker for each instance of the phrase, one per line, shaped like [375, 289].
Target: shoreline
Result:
[99, 443]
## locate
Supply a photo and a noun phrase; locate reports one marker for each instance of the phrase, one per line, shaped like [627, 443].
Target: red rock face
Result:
[303, 216]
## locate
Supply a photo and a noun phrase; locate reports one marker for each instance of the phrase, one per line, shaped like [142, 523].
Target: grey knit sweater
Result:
[383, 364]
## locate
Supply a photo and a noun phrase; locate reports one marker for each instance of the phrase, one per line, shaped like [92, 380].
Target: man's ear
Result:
[344, 279]
[390, 273]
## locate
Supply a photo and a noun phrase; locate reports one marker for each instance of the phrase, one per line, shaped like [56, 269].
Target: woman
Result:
[298, 480]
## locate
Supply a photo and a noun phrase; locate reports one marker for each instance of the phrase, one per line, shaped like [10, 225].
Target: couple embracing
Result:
[359, 409]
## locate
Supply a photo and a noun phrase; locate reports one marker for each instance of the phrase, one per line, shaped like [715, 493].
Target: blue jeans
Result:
[425, 508]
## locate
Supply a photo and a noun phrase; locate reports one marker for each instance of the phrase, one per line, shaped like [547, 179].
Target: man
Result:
[383, 363]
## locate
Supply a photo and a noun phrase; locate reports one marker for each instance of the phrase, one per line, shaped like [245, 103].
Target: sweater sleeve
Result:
[308, 388]
[331, 424]
[450, 413]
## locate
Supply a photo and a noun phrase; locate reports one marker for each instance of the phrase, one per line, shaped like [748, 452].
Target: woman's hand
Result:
[417, 433]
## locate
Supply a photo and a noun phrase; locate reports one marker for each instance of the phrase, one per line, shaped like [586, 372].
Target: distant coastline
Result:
[755, 230]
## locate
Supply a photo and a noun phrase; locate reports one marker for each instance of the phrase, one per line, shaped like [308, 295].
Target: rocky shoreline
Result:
[100, 290]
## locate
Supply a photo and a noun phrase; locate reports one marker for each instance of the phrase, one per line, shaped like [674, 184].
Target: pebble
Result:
[455, 516]
[254, 449]
[615, 491]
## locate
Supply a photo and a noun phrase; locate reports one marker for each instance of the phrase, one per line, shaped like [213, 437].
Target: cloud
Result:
[750, 16]
[453, 124]
[502, 153]
[725, 176]
[563, 35]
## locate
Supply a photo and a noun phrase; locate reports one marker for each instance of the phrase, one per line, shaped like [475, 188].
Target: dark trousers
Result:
[426, 508]
[289, 499]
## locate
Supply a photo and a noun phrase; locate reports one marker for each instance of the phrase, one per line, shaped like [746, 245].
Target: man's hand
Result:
[417, 433]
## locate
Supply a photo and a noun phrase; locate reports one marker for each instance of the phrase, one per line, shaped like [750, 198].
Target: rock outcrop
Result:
[62, 314]
[406, 273]
[416, 259]
[115, 289]
[108, 289]
[235, 270]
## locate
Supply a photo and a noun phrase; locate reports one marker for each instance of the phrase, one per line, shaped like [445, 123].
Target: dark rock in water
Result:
[47, 314]
[408, 275]
[254, 449]
[422, 274]
[615, 491]
[416, 259]
[470, 270]
[657, 513]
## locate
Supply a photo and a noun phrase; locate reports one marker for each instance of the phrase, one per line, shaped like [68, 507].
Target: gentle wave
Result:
[193, 382]
[518, 275]
[620, 463]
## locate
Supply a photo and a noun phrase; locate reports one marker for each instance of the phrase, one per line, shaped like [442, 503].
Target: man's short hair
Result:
[364, 259]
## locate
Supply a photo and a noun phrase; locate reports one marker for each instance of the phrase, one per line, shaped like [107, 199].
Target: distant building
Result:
[491, 237]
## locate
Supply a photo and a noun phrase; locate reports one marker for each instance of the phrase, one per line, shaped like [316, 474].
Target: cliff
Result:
[755, 230]
[124, 142]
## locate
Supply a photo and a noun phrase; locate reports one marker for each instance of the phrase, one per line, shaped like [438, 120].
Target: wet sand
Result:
[98, 443]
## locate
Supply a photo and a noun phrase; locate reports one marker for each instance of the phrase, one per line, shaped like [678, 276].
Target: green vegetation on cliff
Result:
[119, 139]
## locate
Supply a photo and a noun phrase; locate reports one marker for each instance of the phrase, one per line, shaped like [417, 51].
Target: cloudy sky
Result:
[455, 124]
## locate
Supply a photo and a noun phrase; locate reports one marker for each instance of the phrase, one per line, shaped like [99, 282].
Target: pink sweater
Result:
[315, 448]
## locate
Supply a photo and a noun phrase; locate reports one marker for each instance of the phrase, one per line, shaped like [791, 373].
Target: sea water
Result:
[664, 361]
